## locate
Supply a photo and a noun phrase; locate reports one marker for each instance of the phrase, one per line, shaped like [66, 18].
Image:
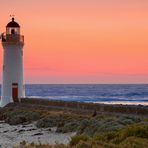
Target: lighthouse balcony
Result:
[13, 38]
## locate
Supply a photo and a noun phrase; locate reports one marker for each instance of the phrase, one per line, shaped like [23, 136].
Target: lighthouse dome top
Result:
[13, 24]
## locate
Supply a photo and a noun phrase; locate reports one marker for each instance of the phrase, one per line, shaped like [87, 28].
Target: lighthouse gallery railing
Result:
[13, 38]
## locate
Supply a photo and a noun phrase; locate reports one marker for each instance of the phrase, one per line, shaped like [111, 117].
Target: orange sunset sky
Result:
[81, 41]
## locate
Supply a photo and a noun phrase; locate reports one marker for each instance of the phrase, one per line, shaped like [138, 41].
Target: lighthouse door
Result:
[15, 92]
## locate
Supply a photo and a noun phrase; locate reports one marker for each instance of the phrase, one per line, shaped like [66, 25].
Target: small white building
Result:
[12, 82]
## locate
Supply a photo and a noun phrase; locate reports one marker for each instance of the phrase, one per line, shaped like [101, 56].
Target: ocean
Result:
[96, 93]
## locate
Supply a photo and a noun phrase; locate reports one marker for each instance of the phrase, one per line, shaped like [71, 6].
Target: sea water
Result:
[97, 93]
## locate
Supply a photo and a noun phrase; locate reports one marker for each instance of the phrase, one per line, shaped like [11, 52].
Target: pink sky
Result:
[81, 41]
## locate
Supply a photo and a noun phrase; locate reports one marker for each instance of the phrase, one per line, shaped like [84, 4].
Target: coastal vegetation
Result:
[93, 129]
[134, 136]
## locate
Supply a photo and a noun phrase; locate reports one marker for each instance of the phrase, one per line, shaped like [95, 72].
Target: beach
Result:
[14, 135]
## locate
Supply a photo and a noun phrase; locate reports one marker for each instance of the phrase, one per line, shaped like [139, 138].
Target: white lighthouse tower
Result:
[12, 83]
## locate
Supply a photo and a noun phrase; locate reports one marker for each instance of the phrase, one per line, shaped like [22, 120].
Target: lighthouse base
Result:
[5, 100]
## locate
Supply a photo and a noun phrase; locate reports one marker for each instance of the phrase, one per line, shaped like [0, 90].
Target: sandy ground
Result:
[12, 135]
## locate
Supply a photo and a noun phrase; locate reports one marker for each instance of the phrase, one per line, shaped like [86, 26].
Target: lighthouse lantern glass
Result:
[12, 30]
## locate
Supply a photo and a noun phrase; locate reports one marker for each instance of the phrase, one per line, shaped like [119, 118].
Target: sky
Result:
[81, 41]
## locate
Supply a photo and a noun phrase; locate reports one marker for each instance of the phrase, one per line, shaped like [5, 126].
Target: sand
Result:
[12, 135]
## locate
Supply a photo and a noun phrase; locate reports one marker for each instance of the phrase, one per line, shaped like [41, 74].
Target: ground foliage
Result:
[104, 130]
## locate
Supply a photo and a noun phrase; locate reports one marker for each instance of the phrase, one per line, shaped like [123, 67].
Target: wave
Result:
[94, 99]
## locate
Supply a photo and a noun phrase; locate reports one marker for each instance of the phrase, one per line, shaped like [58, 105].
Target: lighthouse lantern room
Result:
[12, 82]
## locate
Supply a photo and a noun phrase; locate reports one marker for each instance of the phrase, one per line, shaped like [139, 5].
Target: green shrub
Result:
[68, 127]
[46, 122]
[84, 144]
[95, 144]
[20, 116]
[106, 136]
[95, 126]
[146, 120]
[24, 144]
[137, 131]
[134, 130]
[76, 139]
[134, 142]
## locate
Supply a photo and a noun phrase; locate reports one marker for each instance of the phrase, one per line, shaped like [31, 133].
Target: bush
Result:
[76, 139]
[134, 142]
[68, 127]
[94, 127]
[83, 125]
[95, 144]
[20, 116]
[24, 144]
[127, 120]
[46, 122]
[137, 131]
[84, 144]
[134, 130]
[106, 137]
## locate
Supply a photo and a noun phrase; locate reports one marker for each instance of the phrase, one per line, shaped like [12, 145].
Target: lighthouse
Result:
[12, 78]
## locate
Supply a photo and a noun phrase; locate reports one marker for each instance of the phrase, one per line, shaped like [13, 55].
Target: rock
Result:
[21, 130]
[5, 131]
[1, 122]
[37, 134]
[49, 129]
[23, 126]
[14, 130]
[32, 129]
